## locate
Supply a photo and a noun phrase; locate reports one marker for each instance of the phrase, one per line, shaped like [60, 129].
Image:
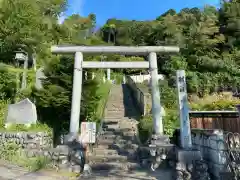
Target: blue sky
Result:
[131, 9]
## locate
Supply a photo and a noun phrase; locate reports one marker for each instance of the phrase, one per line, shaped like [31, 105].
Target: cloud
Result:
[74, 7]
[61, 18]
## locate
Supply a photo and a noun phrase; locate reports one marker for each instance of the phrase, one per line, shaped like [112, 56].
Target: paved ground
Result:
[12, 172]
[136, 175]
[20, 174]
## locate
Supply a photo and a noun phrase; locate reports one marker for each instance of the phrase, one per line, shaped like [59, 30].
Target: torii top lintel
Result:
[130, 50]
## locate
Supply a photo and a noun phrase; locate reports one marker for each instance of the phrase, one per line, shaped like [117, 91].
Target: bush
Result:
[145, 128]
[7, 85]
[170, 123]
[223, 101]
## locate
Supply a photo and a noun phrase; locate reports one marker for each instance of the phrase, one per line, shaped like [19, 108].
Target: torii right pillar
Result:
[160, 143]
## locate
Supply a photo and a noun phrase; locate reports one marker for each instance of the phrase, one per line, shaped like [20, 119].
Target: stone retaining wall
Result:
[212, 145]
[34, 144]
[141, 96]
[213, 148]
[27, 140]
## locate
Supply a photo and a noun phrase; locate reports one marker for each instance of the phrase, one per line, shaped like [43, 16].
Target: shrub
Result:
[223, 101]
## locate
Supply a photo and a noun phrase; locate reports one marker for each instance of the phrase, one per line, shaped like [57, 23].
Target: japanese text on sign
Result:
[88, 132]
[185, 134]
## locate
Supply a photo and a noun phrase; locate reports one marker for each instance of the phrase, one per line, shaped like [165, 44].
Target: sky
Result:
[130, 9]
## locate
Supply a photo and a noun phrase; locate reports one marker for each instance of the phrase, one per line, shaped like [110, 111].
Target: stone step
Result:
[115, 110]
[115, 115]
[123, 130]
[104, 151]
[109, 142]
[110, 122]
[105, 141]
[112, 119]
[119, 140]
[128, 134]
[108, 136]
[115, 107]
[125, 145]
[115, 166]
[107, 158]
[128, 125]
[111, 126]
[119, 133]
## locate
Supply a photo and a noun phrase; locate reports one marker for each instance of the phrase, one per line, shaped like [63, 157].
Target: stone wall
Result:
[212, 145]
[141, 96]
[213, 148]
[33, 144]
[27, 140]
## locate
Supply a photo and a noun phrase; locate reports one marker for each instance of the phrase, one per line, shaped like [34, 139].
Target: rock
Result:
[76, 169]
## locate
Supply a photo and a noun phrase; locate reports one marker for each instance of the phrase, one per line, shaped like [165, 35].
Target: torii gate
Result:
[79, 64]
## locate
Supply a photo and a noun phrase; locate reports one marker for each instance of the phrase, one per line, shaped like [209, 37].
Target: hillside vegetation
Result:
[209, 40]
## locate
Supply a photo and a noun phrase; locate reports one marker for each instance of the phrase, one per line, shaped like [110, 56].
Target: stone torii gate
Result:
[79, 64]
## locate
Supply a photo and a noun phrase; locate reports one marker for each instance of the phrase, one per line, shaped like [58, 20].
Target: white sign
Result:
[185, 129]
[88, 132]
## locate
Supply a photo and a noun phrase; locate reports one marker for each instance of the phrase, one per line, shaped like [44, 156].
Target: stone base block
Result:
[160, 139]
[188, 156]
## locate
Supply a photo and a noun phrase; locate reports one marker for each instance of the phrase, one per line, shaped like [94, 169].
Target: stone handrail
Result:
[141, 96]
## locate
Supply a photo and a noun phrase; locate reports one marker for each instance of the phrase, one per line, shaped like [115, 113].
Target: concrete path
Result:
[133, 175]
[12, 172]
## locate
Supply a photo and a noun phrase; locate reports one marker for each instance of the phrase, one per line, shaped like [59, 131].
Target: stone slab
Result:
[23, 112]
[187, 156]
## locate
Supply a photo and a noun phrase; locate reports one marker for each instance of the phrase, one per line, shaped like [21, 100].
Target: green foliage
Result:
[7, 84]
[208, 38]
[223, 101]
[209, 41]
[103, 92]
[145, 128]
[12, 152]
[168, 95]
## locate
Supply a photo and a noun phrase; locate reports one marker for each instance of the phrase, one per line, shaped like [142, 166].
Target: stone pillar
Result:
[156, 106]
[93, 75]
[109, 74]
[24, 77]
[76, 94]
[185, 130]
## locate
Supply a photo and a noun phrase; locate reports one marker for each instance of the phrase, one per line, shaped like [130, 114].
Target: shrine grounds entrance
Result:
[79, 64]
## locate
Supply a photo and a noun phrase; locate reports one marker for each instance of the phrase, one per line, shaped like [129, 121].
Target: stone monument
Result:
[23, 112]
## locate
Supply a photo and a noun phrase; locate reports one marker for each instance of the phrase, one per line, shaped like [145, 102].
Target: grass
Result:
[13, 153]
[103, 91]
[12, 68]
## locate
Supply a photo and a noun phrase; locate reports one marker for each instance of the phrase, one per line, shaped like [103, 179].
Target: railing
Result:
[225, 120]
[141, 97]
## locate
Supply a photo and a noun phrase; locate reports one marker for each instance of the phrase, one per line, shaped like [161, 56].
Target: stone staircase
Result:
[117, 146]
